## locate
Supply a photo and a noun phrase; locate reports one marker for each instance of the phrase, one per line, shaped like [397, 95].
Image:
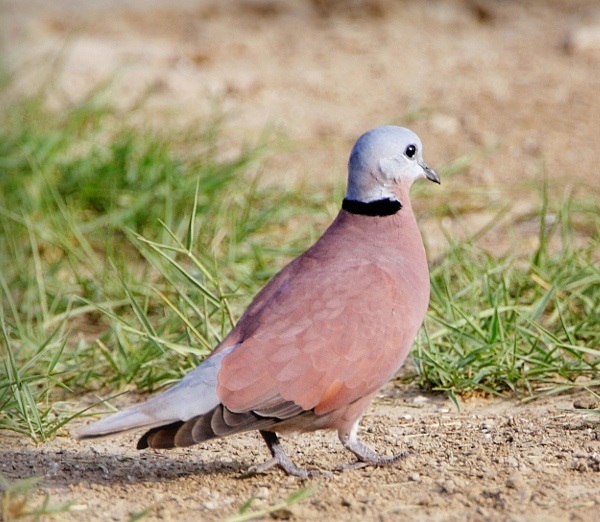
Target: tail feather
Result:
[128, 420]
[192, 396]
[161, 437]
[218, 422]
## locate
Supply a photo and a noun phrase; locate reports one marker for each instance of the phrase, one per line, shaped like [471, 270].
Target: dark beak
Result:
[430, 174]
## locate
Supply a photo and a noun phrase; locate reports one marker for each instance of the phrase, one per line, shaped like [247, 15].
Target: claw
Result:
[281, 459]
[259, 469]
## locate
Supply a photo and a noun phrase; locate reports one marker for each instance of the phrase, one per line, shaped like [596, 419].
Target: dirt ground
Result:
[495, 460]
[511, 88]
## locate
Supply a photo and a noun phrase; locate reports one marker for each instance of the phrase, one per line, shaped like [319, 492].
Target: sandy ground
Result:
[510, 88]
[493, 460]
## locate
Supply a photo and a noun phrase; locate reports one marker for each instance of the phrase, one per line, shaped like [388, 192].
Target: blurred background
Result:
[161, 160]
[506, 92]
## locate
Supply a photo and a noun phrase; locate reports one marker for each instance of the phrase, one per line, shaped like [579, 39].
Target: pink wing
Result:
[319, 339]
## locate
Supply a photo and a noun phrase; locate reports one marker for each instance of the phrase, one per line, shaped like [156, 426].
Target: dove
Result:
[323, 336]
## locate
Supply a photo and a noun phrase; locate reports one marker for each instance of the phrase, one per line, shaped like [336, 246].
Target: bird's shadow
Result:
[64, 467]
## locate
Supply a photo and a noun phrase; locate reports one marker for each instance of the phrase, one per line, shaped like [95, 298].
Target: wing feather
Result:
[354, 343]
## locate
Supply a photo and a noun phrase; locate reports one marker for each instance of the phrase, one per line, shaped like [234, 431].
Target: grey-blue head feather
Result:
[381, 160]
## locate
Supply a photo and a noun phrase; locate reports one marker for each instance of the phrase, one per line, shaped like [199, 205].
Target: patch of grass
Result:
[530, 326]
[121, 253]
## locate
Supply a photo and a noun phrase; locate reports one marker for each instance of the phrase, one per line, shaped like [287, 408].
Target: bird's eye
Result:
[410, 151]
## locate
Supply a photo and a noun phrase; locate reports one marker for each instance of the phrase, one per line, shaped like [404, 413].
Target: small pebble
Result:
[586, 403]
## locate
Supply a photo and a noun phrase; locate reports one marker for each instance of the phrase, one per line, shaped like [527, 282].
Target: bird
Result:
[322, 336]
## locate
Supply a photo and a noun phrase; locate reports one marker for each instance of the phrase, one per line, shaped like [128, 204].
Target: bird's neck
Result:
[360, 224]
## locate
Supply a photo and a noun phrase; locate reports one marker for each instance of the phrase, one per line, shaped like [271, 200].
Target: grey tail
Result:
[192, 397]
[127, 420]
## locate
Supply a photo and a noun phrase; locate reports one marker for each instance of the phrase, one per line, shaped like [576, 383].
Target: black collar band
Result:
[381, 207]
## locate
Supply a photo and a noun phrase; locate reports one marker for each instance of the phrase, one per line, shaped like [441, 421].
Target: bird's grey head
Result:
[385, 161]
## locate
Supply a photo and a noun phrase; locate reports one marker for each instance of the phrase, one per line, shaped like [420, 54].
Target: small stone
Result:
[414, 477]
[282, 514]
[262, 493]
[449, 486]
[578, 465]
[586, 403]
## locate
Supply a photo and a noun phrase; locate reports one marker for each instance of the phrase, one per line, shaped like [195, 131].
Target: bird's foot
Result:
[378, 461]
[357, 464]
[365, 455]
[281, 459]
[258, 469]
